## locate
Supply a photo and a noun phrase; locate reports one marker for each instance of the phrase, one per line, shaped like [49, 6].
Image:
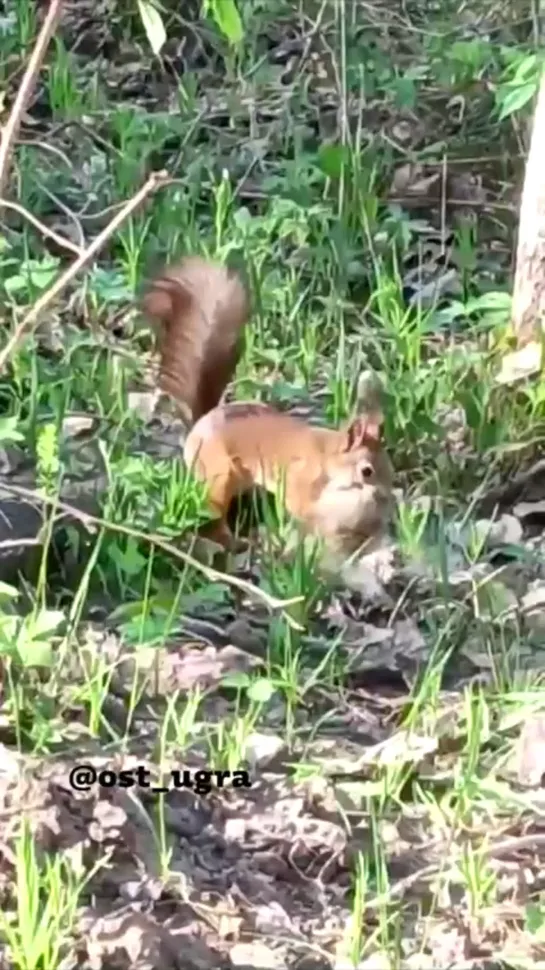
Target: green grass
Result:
[391, 728]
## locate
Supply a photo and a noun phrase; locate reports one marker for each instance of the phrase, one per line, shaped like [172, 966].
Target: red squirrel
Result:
[336, 483]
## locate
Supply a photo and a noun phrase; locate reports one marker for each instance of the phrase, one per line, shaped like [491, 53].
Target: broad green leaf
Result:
[494, 300]
[535, 920]
[47, 621]
[529, 65]
[514, 98]
[8, 429]
[227, 17]
[261, 690]
[404, 92]
[237, 679]
[332, 159]
[129, 560]
[35, 653]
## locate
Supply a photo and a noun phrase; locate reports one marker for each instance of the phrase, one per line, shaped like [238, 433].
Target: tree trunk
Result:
[528, 308]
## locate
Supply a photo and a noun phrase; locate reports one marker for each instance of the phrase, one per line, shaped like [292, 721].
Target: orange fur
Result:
[337, 483]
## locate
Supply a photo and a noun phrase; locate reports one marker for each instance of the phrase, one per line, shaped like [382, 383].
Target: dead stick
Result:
[154, 182]
[493, 851]
[211, 574]
[30, 77]
[45, 230]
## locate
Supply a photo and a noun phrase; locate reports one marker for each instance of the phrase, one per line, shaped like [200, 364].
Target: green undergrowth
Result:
[282, 167]
[326, 255]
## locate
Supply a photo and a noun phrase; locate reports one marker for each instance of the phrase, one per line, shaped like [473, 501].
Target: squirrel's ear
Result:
[370, 390]
[363, 430]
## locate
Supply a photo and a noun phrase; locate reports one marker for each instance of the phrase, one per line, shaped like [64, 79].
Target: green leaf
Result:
[535, 919]
[227, 17]
[529, 65]
[127, 611]
[261, 690]
[35, 653]
[242, 217]
[14, 284]
[9, 631]
[512, 99]
[8, 429]
[404, 92]
[237, 680]
[128, 560]
[47, 621]
[494, 300]
[33, 272]
[153, 25]
[332, 159]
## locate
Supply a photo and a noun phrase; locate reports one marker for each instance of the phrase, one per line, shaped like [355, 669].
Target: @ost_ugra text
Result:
[85, 777]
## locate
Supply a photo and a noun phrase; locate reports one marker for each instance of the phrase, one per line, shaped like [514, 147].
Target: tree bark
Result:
[528, 307]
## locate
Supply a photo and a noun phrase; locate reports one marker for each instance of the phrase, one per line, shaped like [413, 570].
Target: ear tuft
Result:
[370, 390]
[363, 430]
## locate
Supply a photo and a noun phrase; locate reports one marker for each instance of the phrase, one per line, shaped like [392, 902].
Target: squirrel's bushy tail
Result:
[202, 309]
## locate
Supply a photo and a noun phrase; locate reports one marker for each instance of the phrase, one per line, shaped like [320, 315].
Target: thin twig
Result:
[494, 850]
[68, 213]
[30, 77]
[155, 181]
[213, 575]
[45, 230]
[18, 543]
[45, 147]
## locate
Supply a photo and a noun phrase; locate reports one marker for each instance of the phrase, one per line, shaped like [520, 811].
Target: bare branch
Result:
[30, 77]
[273, 603]
[155, 181]
[45, 230]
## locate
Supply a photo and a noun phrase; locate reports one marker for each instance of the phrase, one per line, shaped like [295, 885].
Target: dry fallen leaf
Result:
[362, 580]
[76, 424]
[254, 954]
[400, 748]
[524, 509]
[408, 639]
[108, 822]
[521, 363]
[412, 179]
[427, 295]
[377, 960]
[9, 763]
[506, 530]
[143, 941]
[261, 749]
[533, 606]
[143, 403]
[449, 945]
[368, 574]
[206, 666]
[272, 918]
